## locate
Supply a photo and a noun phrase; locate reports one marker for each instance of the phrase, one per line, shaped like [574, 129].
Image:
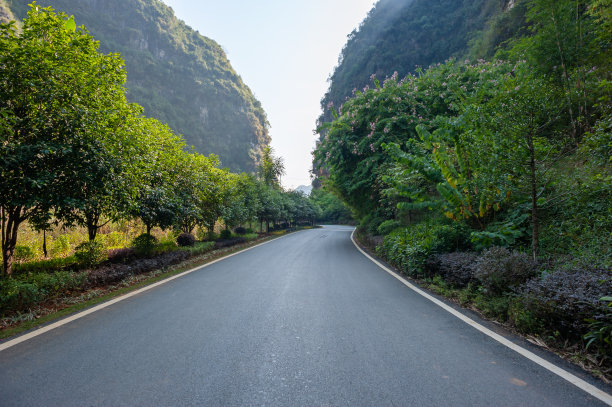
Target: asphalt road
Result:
[305, 320]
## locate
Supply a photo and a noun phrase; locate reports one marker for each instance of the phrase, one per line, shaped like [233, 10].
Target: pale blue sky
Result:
[284, 50]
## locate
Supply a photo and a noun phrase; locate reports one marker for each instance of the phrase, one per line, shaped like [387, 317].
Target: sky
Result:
[284, 50]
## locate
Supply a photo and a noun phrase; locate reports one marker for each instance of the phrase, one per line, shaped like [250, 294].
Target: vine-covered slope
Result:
[400, 35]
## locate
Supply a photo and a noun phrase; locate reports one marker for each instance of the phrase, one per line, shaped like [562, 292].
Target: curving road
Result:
[303, 320]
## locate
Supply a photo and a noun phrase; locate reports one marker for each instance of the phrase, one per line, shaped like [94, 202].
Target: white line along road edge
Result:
[578, 382]
[47, 328]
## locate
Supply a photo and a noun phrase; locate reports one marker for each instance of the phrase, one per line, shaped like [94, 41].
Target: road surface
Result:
[305, 320]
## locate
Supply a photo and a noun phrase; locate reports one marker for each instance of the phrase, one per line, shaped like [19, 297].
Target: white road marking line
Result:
[576, 381]
[50, 327]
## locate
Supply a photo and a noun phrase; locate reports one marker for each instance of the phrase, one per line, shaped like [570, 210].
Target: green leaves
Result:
[70, 24]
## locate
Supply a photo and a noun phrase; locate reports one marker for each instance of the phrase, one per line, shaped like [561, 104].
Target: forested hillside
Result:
[399, 35]
[491, 179]
[179, 76]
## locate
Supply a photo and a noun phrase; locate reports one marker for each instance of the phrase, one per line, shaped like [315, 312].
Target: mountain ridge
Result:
[178, 75]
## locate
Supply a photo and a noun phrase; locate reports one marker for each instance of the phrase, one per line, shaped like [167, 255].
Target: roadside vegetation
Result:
[92, 192]
[491, 180]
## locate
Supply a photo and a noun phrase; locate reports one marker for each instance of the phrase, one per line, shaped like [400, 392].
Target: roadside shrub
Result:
[24, 253]
[107, 275]
[369, 224]
[225, 234]
[455, 268]
[115, 273]
[23, 292]
[387, 227]
[599, 337]
[229, 242]
[61, 282]
[164, 247]
[565, 300]
[17, 295]
[199, 248]
[42, 266]
[499, 269]
[144, 244]
[249, 231]
[240, 230]
[121, 255]
[185, 239]
[409, 248]
[88, 254]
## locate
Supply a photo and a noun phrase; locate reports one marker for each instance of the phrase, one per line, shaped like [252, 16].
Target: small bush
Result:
[564, 300]
[115, 240]
[409, 248]
[599, 337]
[60, 247]
[229, 242]
[240, 230]
[456, 268]
[89, 254]
[24, 253]
[199, 248]
[16, 295]
[121, 255]
[499, 269]
[144, 244]
[185, 239]
[107, 275]
[23, 292]
[164, 247]
[53, 284]
[225, 234]
[249, 231]
[387, 227]
[115, 273]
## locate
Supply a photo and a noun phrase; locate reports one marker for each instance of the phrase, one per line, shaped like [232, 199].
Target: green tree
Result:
[54, 85]
[271, 168]
[158, 166]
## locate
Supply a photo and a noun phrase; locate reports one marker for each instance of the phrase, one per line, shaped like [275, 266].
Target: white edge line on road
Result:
[576, 381]
[50, 327]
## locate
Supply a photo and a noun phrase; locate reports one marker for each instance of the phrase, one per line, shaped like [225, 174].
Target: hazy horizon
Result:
[284, 52]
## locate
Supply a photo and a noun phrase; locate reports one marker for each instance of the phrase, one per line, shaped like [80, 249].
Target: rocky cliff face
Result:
[6, 14]
[179, 76]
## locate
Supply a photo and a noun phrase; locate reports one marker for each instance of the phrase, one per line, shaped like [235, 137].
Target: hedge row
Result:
[558, 302]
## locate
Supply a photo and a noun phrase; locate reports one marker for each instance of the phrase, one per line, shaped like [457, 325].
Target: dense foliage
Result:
[74, 151]
[400, 35]
[179, 76]
[509, 156]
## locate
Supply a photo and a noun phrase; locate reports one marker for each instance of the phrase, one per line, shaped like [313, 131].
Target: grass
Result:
[66, 306]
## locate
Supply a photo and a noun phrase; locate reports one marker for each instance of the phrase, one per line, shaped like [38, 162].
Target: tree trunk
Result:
[149, 227]
[566, 86]
[92, 218]
[535, 238]
[44, 247]
[92, 231]
[11, 219]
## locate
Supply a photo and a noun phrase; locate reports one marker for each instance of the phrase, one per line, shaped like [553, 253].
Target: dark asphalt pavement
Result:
[305, 320]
